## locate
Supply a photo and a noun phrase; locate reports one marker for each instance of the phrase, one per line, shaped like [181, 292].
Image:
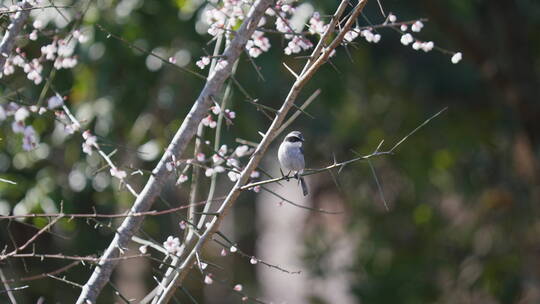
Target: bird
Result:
[291, 157]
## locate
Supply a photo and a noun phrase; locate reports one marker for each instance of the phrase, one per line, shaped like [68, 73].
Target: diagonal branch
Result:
[8, 41]
[184, 135]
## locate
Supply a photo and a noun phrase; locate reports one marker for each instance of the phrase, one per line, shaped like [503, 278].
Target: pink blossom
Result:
[203, 62]
[172, 244]
[237, 287]
[120, 174]
[181, 179]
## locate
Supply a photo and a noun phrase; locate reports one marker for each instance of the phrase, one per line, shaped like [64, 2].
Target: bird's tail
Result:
[304, 186]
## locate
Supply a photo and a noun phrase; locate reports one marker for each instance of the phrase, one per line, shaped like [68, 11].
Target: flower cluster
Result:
[60, 51]
[90, 142]
[407, 38]
[366, 33]
[210, 121]
[19, 126]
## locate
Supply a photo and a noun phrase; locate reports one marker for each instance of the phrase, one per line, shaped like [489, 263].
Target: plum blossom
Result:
[182, 225]
[120, 174]
[38, 24]
[181, 179]
[370, 37]
[351, 35]
[217, 159]
[230, 114]
[257, 44]
[33, 70]
[456, 57]
[54, 102]
[82, 38]
[29, 138]
[143, 249]
[208, 279]
[406, 39]
[233, 162]
[172, 244]
[316, 25]
[89, 142]
[209, 122]
[17, 126]
[223, 252]
[203, 62]
[49, 50]
[237, 287]
[33, 35]
[209, 172]
[233, 249]
[216, 109]
[241, 151]
[21, 114]
[233, 176]
[253, 260]
[392, 18]
[417, 26]
[403, 27]
[200, 157]
[297, 44]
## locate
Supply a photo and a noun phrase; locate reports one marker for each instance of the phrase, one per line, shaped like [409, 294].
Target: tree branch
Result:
[13, 30]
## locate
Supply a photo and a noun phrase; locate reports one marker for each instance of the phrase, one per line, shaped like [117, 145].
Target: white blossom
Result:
[351, 35]
[233, 176]
[316, 25]
[200, 157]
[54, 102]
[181, 179]
[417, 26]
[241, 151]
[21, 114]
[120, 174]
[33, 35]
[172, 244]
[406, 39]
[29, 138]
[456, 57]
[392, 18]
[428, 46]
[203, 62]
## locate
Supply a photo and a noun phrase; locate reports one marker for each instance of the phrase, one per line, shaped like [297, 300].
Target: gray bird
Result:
[291, 157]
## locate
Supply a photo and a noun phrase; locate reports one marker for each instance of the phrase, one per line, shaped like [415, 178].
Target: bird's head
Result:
[294, 137]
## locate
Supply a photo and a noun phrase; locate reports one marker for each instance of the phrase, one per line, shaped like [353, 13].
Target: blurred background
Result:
[462, 224]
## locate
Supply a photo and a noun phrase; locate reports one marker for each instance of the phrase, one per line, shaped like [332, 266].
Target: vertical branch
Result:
[8, 41]
[160, 174]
